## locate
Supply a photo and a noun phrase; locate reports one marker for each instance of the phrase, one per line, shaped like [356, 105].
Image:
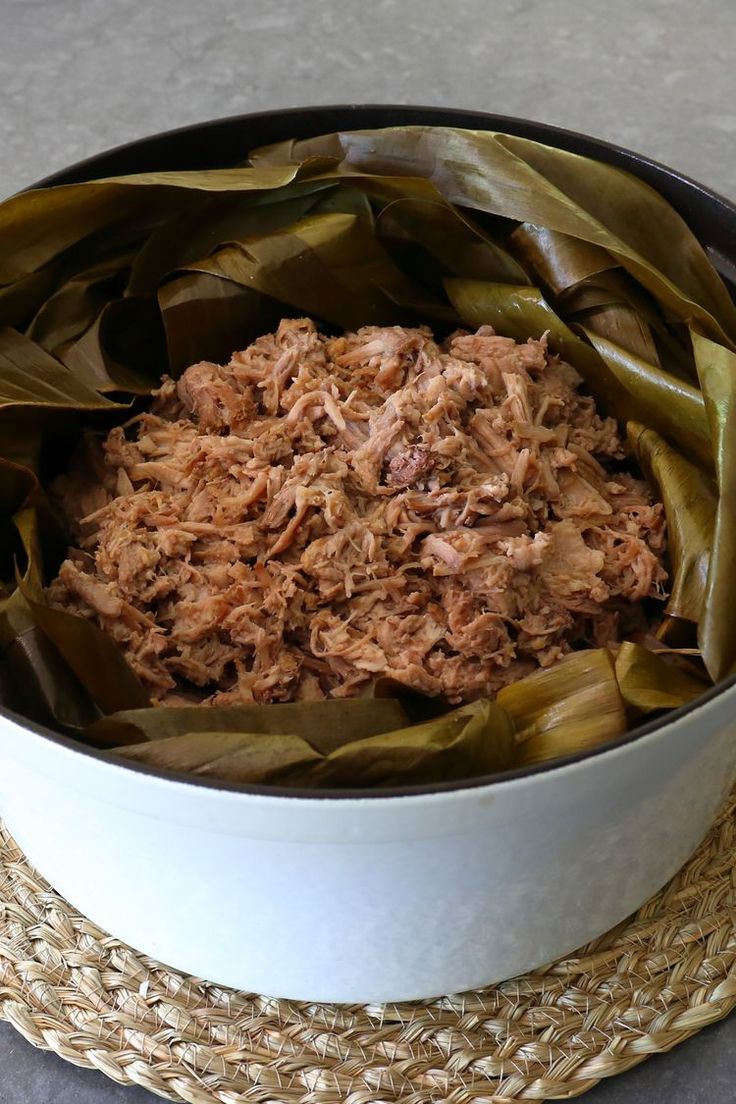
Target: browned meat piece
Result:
[323, 511]
[408, 467]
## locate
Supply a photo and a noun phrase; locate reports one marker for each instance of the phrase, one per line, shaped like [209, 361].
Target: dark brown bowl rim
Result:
[365, 116]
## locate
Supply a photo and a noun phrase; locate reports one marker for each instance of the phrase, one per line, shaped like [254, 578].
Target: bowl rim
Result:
[563, 138]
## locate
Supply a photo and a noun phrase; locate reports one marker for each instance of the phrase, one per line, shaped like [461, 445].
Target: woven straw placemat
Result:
[644, 987]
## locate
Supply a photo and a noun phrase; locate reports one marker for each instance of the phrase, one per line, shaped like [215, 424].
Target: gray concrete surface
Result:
[78, 76]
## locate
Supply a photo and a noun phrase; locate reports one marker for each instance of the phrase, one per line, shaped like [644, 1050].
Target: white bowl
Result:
[371, 897]
[368, 898]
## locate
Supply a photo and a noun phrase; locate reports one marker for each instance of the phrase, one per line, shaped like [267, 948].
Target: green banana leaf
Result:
[690, 500]
[444, 235]
[330, 265]
[74, 306]
[226, 217]
[623, 327]
[21, 300]
[572, 706]
[15, 616]
[560, 262]
[648, 682]
[519, 179]
[95, 659]
[125, 332]
[322, 723]
[39, 226]
[207, 317]
[41, 684]
[227, 756]
[717, 629]
[29, 376]
[592, 288]
[472, 740]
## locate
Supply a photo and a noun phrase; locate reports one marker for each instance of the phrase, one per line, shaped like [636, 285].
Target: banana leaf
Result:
[623, 327]
[648, 682]
[677, 632]
[16, 617]
[39, 226]
[29, 376]
[444, 235]
[322, 723]
[207, 317]
[717, 629]
[95, 659]
[124, 331]
[690, 501]
[472, 740]
[41, 684]
[212, 220]
[330, 265]
[227, 756]
[17, 484]
[625, 385]
[614, 306]
[42, 402]
[572, 706]
[560, 262]
[74, 306]
[519, 179]
[21, 300]
[585, 278]
[628, 321]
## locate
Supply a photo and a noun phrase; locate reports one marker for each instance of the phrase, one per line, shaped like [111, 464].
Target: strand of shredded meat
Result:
[321, 512]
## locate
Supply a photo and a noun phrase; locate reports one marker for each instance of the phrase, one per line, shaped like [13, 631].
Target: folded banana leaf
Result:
[528, 182]
[595, 291]
[561, 263]
[206, 317]
[330, 265]
[228, 756]
[322, 723]
[716, 628]
[106, 286]
[20, 301]
[434, 231]
[583, 700]
[15, 616]
[567, 708]
[690, 500]
[472, 740]
[75, 305]
[648, 682]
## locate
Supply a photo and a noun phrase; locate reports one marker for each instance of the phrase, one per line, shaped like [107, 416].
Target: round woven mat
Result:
[644, 987]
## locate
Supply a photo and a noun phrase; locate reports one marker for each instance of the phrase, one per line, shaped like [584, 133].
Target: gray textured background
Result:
[77, 76]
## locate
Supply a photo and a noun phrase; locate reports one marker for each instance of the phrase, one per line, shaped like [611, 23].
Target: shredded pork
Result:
[321, 512]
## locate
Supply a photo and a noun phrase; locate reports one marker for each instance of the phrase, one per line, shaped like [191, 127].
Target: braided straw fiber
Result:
[642, 988]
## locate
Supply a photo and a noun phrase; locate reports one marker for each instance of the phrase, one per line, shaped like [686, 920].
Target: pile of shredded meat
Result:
[321, 512]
